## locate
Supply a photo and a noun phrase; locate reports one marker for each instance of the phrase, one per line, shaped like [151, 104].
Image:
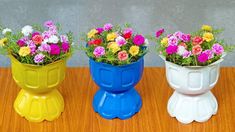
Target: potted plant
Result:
[38, 60]
[116, 65]
[192, 69]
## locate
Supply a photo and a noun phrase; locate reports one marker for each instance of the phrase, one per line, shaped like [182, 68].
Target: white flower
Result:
[181, 50]
[146, 41]
[26, 30]
[53, 39]
[4, 31]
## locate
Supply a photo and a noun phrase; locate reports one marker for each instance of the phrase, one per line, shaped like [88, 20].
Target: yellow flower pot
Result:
[38, 99]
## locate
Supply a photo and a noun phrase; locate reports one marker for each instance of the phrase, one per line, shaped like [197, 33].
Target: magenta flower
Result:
[107, 26]
[35, 33]
[203, 57]
[64, 38]
[217, 49]
[55, 49]
[209, 53]
[138, 40]
[99, 51]
[159, 32]
[173, 40]
[120, 41]
[185, 37]
[100, 30]
[44, 48]
[20, 42]
[171, 49]
[49, 23]
[65, 47]
[39, 58]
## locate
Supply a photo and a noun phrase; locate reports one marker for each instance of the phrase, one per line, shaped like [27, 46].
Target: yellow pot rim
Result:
[35, 66]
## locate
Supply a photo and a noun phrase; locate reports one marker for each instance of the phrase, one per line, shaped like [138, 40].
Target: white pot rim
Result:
[195, 67]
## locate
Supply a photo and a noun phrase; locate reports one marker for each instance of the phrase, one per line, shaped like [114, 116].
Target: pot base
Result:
[187, 108]
[39, 107]
[117, 105]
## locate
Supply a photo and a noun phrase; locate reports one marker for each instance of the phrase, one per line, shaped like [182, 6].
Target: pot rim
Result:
[35, 66]
[120, 66]
[195, 67]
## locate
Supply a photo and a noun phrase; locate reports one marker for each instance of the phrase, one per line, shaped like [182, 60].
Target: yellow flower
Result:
[134, 50]
[3, 41]
[113, 46]
[92, 33]
[24, 51]
[208, 36]
[207, 28]
[164, 42]
[111, 36]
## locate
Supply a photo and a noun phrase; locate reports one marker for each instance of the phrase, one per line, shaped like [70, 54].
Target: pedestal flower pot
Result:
[117, 97]
[192, 99]
[39, 99]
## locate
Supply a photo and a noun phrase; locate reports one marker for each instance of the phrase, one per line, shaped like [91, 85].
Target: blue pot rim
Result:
[106, 64]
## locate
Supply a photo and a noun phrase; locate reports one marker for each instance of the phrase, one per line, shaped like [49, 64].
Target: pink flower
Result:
[171, 49]
[39, 58]
[37, 39]
[173, 40]
[64, 38]
[197, 40]
[217, 49]
[159, 33]
[185, 37]
[65, 47]
[107, 26]
[49, 23]
[46, 35]
[55, 49]
[138, 40]
[196, 50]
[44, 48]
[209, 53]
[122, 55]
[178, 34]
[203, 57]
[187, 54]
[32, 47]
[120, 41]
[99, 51]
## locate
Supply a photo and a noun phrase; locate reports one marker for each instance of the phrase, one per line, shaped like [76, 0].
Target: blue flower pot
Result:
[117, 97]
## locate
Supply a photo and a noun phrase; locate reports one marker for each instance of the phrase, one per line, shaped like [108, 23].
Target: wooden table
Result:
[78, 90]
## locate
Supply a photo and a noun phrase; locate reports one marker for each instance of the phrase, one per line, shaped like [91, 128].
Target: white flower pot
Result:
[192, 98]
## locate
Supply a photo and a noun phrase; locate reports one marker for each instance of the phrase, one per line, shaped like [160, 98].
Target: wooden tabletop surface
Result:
[78, 90]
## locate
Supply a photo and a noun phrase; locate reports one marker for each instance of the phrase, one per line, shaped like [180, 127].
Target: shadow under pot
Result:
[116, 97]
[39, 98]
[192, 99]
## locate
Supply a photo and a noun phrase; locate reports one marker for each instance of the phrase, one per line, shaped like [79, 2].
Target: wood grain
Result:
[78, 90]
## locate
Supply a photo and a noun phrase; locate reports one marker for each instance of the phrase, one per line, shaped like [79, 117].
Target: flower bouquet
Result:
[192, 69]
[38, 60]
[116, 65]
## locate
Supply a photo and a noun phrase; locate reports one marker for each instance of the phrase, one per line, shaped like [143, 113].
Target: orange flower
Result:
[196, 50]
[37, 39]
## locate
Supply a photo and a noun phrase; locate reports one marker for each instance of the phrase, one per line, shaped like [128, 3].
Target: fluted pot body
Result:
[39, 98]
[192, 99]
[117, 97]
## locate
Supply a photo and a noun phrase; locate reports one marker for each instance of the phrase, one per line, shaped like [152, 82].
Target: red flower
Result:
[197, 40]
[127, 35]
[95, 42]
